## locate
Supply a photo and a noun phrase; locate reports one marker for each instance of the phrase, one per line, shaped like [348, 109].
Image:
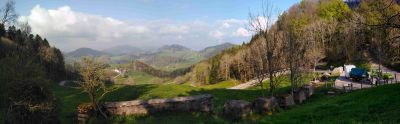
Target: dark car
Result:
[358, 74]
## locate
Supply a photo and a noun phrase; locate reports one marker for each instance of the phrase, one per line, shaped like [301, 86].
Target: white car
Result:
[347, 69]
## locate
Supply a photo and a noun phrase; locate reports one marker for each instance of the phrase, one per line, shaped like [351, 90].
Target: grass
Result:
[223, 84]
[377, 105]
[69, 99]
[137, 78]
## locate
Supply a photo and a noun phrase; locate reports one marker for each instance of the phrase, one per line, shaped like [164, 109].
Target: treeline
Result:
[310, 32]
[28, 64]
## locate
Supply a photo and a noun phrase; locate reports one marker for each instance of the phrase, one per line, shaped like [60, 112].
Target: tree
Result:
[93, 82]
[383, 20]
[25, 28]
[333, 9]
[9, 14]
[261, 24]
[315, 34]
[2, 30]
[258, 62]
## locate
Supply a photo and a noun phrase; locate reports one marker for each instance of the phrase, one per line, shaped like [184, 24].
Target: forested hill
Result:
[20, 50]
[307, 33]
[81, 52]
[27, 65]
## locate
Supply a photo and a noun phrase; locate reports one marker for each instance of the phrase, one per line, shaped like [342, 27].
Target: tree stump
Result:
[236, 109]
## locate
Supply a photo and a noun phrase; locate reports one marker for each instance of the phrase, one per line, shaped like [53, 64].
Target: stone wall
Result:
[202, 103]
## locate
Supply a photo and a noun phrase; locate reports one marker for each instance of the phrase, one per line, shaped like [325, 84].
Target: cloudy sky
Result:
[100, 24]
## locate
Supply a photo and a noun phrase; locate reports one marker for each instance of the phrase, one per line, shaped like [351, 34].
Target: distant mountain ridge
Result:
[173, 48]
[214, 50]
[124, 49]
[167, 57]
[81, 52]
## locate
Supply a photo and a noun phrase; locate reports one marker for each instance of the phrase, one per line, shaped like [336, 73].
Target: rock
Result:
[236, 109]
[201, 103]
[308, 90]
[265, 105]
[327, 74]
[285, 100]
[299, 96]
[337, 71]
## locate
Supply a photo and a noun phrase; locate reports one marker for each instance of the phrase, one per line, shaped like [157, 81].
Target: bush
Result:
[31, 102]
[364, 65]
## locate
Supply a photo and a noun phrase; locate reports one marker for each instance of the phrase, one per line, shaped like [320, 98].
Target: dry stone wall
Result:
[202, 103]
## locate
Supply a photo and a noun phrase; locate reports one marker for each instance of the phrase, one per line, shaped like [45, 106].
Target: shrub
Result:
[31, 102]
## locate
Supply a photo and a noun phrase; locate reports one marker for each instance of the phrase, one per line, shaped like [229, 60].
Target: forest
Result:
[311, 32]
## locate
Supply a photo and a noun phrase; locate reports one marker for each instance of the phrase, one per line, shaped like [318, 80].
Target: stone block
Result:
[299, 96]
[236, 109]
[265, 105]
[286, 100]
[308, 90]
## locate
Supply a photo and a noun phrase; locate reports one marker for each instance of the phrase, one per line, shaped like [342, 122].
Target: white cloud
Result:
[69, 30]
[241, 32]
[217, 34]
[225, 25]
[263, 22]
[174, 29]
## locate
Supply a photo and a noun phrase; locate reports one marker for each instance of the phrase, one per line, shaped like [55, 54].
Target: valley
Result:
[167, 58]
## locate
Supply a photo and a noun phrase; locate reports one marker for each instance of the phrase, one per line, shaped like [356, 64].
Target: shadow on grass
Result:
[127, 93]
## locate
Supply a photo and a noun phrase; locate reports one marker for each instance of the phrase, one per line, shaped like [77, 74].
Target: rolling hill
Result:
[167, 58]
[124, 49]
[78, 53]
[214, 50]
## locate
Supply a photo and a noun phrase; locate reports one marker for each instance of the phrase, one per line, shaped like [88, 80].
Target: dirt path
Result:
[252, 83]
[248, 84]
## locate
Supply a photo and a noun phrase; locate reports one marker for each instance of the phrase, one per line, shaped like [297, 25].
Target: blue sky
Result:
[150, 15]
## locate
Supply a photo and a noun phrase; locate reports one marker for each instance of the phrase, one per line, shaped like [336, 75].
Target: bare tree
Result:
[93, 82]
[9, 14]
[258, 61]
[315, 34]
[261, 24]
[25, 28]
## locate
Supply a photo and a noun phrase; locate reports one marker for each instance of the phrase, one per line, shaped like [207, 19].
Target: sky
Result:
[101, 24]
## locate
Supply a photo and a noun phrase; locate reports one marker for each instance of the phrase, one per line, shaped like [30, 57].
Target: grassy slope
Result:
[376, 105]
[138, 78]
[370, 105]
[70, 98]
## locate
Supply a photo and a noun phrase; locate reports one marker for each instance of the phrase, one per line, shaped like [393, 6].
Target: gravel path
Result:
[342, 81]
[252, 83]
[248, 84]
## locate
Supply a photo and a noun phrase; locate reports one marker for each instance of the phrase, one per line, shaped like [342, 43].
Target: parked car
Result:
[347, 69]
[358, 74]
